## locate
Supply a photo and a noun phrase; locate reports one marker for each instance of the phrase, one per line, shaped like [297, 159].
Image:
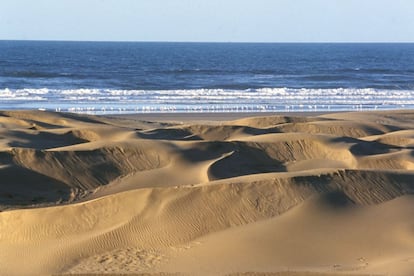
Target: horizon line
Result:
[214, 42]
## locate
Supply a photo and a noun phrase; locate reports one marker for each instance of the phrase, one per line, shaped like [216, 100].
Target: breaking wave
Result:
[206, 100]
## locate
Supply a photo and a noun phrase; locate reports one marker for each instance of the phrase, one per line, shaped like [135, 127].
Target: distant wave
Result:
[220, 71]
[36, 74]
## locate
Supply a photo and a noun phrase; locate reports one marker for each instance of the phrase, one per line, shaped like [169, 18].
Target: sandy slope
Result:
[271, 195]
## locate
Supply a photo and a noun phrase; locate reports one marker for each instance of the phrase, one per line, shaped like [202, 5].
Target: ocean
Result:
[127, 77]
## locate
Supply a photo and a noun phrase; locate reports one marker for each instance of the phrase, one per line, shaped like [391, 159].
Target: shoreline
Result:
[213, 116]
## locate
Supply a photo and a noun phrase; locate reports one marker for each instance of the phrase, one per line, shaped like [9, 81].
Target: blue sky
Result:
[209, 20]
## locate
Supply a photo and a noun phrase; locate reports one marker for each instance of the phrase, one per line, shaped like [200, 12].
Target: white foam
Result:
[210, 99]
[22, 95]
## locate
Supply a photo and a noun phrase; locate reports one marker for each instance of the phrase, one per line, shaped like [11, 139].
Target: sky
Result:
[209, 20]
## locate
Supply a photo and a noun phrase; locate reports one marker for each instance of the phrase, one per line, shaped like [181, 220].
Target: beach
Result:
[207, 193]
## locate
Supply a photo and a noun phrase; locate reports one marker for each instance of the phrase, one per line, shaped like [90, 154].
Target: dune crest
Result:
[270, 195]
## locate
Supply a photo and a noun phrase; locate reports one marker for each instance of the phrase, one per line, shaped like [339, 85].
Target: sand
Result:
[207, 194]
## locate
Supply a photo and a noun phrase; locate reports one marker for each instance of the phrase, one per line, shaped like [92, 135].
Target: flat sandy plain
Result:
[209, 194]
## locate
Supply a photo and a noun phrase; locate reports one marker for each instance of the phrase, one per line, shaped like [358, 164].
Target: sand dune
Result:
[270, 195]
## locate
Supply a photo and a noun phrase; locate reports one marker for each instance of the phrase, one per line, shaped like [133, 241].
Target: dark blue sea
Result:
[113, 77]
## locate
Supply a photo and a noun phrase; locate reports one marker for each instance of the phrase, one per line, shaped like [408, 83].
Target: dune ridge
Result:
[270, 195]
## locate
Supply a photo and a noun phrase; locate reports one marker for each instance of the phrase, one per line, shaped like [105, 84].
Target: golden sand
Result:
[327, 194]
